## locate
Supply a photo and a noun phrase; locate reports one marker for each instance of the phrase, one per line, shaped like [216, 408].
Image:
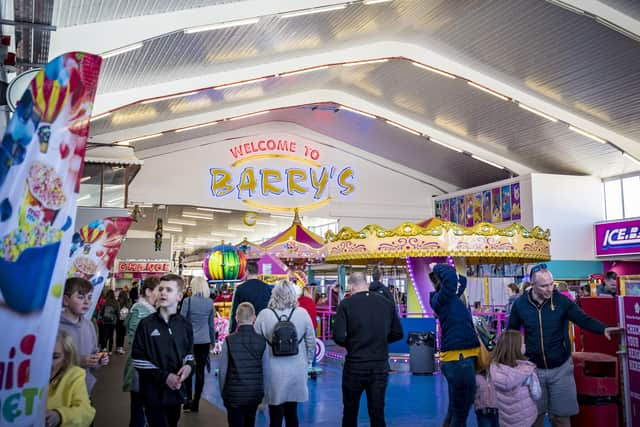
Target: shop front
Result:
[617, 243]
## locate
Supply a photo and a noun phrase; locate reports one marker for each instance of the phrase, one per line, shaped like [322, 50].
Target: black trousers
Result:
[137, 417]
[163, 415]
[121, 332]
[201, 355]
[241, 416]
[373, 381]
[107, 336]
[287, 411]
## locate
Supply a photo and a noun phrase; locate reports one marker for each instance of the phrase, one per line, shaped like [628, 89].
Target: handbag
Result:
[484, 358]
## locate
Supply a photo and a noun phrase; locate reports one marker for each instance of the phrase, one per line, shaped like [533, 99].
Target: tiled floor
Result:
[411, 400]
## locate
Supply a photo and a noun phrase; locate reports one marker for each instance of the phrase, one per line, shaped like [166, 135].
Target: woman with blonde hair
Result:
[198, 308]
[68, 403]
[285, 375]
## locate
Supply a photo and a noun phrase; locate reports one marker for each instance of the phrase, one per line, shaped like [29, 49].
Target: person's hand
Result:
[104, 359]
[184, 372]
[52, 419]
[611, 330]
[173, 382]
[90, 360]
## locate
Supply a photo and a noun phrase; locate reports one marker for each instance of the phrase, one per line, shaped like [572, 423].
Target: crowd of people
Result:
[267, 355]
[526, 378]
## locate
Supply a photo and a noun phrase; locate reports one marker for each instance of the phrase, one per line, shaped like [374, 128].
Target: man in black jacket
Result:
[379, 287]
[545, 314]
[162, 354]
[253, 290]
[365, 324]
[241, 376]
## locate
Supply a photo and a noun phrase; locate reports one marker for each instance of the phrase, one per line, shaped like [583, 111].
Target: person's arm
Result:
[184, 308]
[79, 412]
[309, 337]
[235, 301]
[395, 333]
[212, 329]
[462, 286]
[448, 287]
[340, 326]
[582, 319]
[224, 364]
[515, 321]
[188, 359]
[142, 359]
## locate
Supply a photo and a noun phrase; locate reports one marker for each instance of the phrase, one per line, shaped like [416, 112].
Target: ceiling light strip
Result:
[433, 70]
[371, 61]
[181, 222]
[140, 138]
[369, 2]
[587, 134]
[450, 147]
[170, 228]
[625, 155]
[184, 129]
[221, 25]
[495, 165]
[539, 113]
[404, 128]
[242, 83]
[122, 50]
[306, 70]
[246, 116]
[225, 211]
[100, 116]
[197, 216]
[164, 98]
[353, 110]
[489, 91]
[84, 179]
[312, 11]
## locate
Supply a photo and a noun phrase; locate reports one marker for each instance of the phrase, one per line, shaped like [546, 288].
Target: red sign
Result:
[632, 332]
[143, 267]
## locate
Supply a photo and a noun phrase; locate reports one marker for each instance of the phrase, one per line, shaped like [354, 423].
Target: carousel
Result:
[287, 254]
[490, 256]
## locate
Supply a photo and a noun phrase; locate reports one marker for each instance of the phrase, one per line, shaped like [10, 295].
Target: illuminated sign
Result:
[285, 173]
[143, 267]
[618, 238]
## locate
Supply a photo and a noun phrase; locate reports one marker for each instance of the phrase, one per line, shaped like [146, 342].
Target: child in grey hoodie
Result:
[76, 303]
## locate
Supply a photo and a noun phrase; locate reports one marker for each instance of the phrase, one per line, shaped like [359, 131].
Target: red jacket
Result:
[308, 304]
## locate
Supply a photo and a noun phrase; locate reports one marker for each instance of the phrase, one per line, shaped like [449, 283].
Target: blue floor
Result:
[411, 400]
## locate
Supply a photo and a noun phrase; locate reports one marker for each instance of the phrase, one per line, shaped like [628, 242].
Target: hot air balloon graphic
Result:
[58, 87]
[224, 263]
[91, 233]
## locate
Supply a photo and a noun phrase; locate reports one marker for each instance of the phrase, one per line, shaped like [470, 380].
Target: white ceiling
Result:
[567, 65]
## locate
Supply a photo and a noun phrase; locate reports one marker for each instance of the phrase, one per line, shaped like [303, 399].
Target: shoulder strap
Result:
[275, 314]
[189, 309]
[291, 314]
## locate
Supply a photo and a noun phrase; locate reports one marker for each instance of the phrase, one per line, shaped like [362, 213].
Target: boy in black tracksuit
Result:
[162, 354]
[241, 376]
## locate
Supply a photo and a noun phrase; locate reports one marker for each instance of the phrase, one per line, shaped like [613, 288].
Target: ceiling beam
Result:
[100, 37]
[449, 62]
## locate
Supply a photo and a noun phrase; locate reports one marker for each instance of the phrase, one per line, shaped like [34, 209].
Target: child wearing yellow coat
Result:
[68, 404]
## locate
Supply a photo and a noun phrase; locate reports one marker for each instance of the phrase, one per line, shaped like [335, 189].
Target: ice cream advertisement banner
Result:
[618, 238]
[41, 161]
[93, 251]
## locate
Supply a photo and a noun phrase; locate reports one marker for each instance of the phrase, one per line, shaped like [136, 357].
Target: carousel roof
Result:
[436, 238]
[297, 233]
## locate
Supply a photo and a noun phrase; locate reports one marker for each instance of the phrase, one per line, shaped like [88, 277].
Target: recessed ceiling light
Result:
[404, 128]
[180, 221]
[489, 91]
[229, 24]
[625, 155]
[587, 134]
[353, 110]
[433, 70]
[100, 116]
[140, 138]
[370, 61]
[214, 210]
[242, 83]
[495, 165]
[164, 98]
[312, 11]
[539, 113]
[306, 70]
[121, 50]
[184, 129]
[450, 147]
[246, 116]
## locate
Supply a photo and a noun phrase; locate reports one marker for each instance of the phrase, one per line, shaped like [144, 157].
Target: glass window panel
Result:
[89, 195]
[114, 187]
[631, 191]
[613, 198]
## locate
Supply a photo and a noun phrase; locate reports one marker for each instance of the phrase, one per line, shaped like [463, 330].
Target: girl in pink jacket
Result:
[508, 374]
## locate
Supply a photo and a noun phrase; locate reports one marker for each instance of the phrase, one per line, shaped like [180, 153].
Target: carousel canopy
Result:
[482, 243]
[296, 243]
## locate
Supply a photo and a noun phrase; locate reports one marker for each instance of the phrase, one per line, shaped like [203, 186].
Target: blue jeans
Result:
[487, 420]
[461, 379]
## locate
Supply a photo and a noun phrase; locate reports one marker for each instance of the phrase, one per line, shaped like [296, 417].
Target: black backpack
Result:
[284, 341]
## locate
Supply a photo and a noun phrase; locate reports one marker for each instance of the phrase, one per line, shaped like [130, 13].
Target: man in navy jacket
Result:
[545, 314]
[253, 290]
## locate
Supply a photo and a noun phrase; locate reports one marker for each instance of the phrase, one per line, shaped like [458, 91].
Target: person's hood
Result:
[64, 320]
[375, 285]
[446, 273]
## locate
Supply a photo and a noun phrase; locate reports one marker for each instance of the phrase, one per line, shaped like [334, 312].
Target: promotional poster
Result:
[41, 162]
